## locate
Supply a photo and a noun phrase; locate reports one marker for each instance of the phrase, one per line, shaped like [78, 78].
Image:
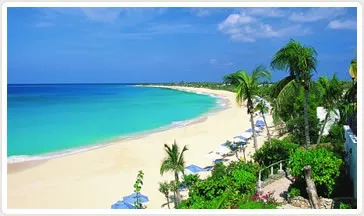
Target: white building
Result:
[350, 150]
[333, 117]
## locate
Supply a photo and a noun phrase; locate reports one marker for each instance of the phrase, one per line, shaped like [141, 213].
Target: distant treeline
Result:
[265, 87]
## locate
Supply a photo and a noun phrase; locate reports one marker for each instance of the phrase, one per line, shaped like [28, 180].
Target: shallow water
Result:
[52, 118]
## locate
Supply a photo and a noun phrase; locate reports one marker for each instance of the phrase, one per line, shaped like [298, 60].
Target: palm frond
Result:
[261, 72]
[167, 165]
[280, 85]
[174, 160]
[221, 201]
[287, 92]
[181, 161]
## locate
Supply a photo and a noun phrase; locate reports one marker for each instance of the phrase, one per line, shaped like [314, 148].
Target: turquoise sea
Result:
[51, 120]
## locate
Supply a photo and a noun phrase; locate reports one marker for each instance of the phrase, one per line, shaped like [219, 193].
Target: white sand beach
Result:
[97, 178]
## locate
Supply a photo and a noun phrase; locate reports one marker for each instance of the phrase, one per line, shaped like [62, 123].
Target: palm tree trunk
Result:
[268, 134]
[236, 154]
[177, 191]
[305, 110]
[322, 129]
[253, 129]
[175, 199]
[353, 111]
[168, 201]
[244, 154]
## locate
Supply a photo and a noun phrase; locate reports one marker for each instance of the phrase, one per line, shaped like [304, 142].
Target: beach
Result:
[97, 178]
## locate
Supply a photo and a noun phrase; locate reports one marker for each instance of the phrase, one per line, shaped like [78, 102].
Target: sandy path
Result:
[280, 188]
[95, 179]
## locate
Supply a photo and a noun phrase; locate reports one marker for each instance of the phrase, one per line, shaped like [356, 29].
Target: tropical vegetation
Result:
[164, 188]
[331, 96]
[263, 109]
[137, 187]
[247, 87]
[300, 61]
[174, 162]
[275, 151]
[293, 103]
[325, 167]
[228, 187]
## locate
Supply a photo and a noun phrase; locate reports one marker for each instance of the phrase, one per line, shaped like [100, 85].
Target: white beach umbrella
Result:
[259, 129]
[239, 139]
[188, 172]
[247, 134]
[260, 118]
[223, 150]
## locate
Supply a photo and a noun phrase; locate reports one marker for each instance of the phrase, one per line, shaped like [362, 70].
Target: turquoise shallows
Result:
[52, 118]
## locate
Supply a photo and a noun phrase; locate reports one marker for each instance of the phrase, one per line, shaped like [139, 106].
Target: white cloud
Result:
[201, 12]
[102, 14]
[245, 28]
[344, 24]
[233, 20]
[316, 14]
[264, 12]
[205, 12]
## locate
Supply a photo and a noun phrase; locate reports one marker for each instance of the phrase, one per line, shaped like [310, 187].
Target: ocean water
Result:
[60, 119]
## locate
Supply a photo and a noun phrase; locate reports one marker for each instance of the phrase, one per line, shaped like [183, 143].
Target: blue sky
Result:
[130, 45]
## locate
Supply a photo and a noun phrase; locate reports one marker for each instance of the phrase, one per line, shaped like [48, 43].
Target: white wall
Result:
[333, 117]
[350, 149]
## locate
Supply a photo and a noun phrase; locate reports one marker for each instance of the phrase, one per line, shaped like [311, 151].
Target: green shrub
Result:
[199, 203]
[296, 127]
[257, 205]
[233, 198]
[300, 186]
[219, 170]
[189, 180]
[209, 188]
[293, 192]
[325, 167]
[225, 188]
[291, 112]
[240, 165]
[271, 153]
[345, 206]
[288, 139]
[336, 137]
[244, 181]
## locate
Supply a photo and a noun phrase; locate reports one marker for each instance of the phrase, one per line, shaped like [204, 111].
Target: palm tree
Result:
[173, 185]
[300, 61]
[234, 147]
[174, 162]
[277, 121]
[247, 89]
[332, 91]
[353, 69]
[263, 108]
[231, 79]
[351, 93]
[164, 189]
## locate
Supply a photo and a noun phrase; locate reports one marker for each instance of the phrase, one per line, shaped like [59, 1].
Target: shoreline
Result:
[19, 161]
[100, 177]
